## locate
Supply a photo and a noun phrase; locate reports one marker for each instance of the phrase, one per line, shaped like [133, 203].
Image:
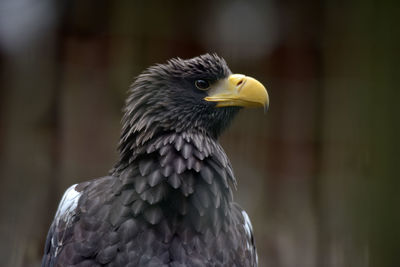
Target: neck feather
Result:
[183, 175]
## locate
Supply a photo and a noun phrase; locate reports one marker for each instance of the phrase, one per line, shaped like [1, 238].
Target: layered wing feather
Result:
[172, 207]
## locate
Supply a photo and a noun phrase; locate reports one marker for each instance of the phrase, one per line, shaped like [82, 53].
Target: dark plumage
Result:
[168, 200]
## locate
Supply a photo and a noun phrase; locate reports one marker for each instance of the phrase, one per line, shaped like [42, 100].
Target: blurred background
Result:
[317, 173]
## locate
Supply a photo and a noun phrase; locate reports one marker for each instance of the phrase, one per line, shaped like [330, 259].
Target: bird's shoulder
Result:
[244, 228]
[68, 214]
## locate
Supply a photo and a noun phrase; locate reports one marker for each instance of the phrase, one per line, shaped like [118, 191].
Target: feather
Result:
[164, 150]
[171, 138]
[183, 207]
[167, 171]
[127, 197]
[190, 163]
[107, 254]
[117, 187]
[133, 255]
[178, 143]
[103, 212]
[208, 148]
[111, 238]
[221, 173]
[214, 188]
[186, 150]
[86, 249]
[216, 221]
[195, 244]
[128, 230]
[155, 194]
[155, 262]
[153, 214]
[138, 206]
[118, 213]
[168, 158]
[177, 250]
[220, 155]
[89, 223]
[120, 260]
[159, 143]
[185, 235]
[69, 256]
[179, 165]
[145, 166]
[187, 185]
[197, 142]
[208, 237]
[195, 262]
[165, 230]
[217, 201]
[140, 184]
[197, 166]
[199, 223]
[174, 180]
[198, 154]
[151, 148]
[197, 204]
[206, 174]
[154, 178]
[202, 195]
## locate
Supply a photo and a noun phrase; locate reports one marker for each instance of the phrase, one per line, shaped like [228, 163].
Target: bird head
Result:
[194, 94]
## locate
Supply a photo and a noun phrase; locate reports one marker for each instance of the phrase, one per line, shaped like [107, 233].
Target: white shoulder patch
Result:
[64, 215]
[68, 203]
[249, 232]
[247, 224]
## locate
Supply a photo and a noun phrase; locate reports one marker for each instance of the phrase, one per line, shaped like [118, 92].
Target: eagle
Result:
[168, 199]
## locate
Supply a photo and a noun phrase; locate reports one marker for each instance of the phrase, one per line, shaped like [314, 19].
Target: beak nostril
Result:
[240, 82]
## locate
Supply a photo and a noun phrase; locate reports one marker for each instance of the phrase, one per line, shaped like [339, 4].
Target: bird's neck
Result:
[185, 176]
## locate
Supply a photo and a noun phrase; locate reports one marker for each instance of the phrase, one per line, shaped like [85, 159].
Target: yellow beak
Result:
[239, 90]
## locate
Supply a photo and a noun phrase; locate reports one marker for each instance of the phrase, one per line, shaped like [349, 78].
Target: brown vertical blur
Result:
[317, 172]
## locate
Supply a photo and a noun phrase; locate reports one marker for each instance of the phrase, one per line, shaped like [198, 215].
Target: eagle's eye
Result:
[202, 84]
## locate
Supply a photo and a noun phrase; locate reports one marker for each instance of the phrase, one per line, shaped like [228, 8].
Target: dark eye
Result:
[202, 84]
